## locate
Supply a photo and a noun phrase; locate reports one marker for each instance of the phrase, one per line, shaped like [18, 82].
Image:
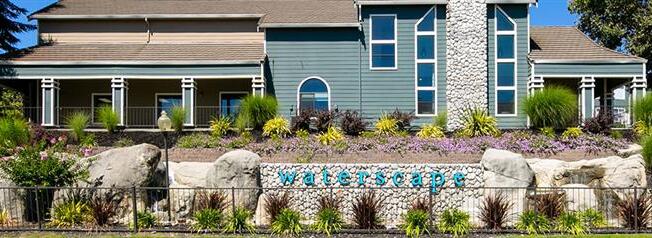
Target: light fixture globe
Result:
[164, 122]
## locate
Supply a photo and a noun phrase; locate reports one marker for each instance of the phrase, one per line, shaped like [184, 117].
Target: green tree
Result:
[11, 103]
[9, 26]
[617, 24]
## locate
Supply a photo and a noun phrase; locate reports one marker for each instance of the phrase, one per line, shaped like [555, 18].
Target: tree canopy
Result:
[9, 25]
[624, 25]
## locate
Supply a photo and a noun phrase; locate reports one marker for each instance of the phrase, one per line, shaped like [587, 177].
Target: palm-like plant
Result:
[478, 122]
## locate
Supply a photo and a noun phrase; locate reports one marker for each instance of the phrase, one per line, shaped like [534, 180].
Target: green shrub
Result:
[215, 200]
[640, 129]
[593, 218]
[548, 131]
[287, 222]
[387, 126]
[403, 119]
[324, 119]
[533, 223]
[5, 219]
[105, 206]
[275, 203]
[240, 221]
[77, 123]
[571, 223]
[124, 142]
[455, 222]
[642, 110]
[647, 152]
[243, 140]
[206, 220]
[328, 221]
[13, 132]
[477, 122]
[11, 103]
[71, 213]
[441, 120]
[220, 126]
[431, 131]
[276, 127]
[88, 141]
[551, 107]
[551, 203]
[616, 134]
[146, 220]
[178, 117]
[302, 133]
[197, 140]
[108, 118]
[572, 133]
[254, 111]
[33, 166]
[331, 136]
[415, 223]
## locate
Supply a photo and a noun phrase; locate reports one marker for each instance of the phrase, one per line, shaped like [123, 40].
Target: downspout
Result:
[360, 30]
[148, 30]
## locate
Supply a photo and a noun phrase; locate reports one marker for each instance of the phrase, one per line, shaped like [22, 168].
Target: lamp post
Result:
[165, 125]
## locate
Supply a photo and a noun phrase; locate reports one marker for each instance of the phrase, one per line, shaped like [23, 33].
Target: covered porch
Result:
[603, 79]
[137, 91]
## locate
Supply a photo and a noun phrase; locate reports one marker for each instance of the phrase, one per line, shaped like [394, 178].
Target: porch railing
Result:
[136, 117]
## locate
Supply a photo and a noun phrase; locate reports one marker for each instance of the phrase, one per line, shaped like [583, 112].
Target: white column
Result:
[258, 86]
[638, 86]
[535, 84]
[188, 98]
[49, 102]
[119, 92]
[587, 95]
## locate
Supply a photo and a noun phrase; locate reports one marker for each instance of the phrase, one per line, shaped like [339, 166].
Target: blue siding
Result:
[156, 70]
[518, 13]
[588, 69]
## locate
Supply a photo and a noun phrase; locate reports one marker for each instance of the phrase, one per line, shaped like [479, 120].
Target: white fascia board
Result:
[589, 61]
[150, 16]
[128, 62]
[307, 25]
[400, 2]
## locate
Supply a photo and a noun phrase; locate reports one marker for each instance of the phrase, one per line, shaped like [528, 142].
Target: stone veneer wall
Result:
[397, 200]
[466, 54]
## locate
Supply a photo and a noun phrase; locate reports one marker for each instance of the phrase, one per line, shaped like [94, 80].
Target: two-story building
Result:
[372, 56]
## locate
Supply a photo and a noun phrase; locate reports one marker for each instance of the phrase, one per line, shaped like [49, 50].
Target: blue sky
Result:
[547, 13]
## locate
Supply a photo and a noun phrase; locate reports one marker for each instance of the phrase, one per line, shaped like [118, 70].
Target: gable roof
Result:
[270, 12]
[568, 44]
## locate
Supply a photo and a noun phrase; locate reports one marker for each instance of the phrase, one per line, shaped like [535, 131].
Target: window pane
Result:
[382, 27]
[505, 47]
[505, 100]
[426, 47]
[313, 85]
[166, 103]
[313, 94]
[382, 56]
[426, 102]
[503, 23]
[428, 22]
[230, 103]
[505, 74]
[426, 73]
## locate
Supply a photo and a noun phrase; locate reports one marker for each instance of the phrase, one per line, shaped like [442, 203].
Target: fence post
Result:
[38, 208]
[430, 209]
[233, 206]
[635, 203]
[134, 205]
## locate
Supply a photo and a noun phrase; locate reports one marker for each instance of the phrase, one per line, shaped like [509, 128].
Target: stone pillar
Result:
[535, 84]
[587, 95]
[466, 58]
[258, 86]
[188, 98]
[119, 92]
[49, 102]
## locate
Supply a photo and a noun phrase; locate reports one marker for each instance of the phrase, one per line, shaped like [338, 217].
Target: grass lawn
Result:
[591, 235]
[109, 235]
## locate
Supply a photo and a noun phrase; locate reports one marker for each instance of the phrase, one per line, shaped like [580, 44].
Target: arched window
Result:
[314, 94]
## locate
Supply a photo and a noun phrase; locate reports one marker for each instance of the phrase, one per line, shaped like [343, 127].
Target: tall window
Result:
[230, 102]
[383, 41]
[426, 65]
[165, 102]
[505, 64]
[313, 95]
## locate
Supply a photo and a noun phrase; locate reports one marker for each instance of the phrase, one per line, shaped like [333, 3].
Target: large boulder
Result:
[237, 169]
[11, 201]
[580, 197]
[190, 174]
[124, 167]
[505, 169]
[631, 149]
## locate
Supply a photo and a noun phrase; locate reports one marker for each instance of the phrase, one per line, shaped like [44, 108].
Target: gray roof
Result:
[270, 11]
[139, 53]
[569, 44]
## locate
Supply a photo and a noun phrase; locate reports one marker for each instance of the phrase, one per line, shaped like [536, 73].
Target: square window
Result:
[505, 74]
[383, 56]
[505, 47]
[426, 102]
[426, 47]
[426, 74]
[506, 102]
[382, 27]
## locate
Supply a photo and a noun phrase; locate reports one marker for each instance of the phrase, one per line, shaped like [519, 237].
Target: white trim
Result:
[591, 61]
[418, 61]
[190, 84]
[150, 16]
[73, 77]
[513, 60]
[307, 25]
[328, 89]
[134, 62]
[156, 115]
[587, 75]
[400, 2]
[93, 104]
[372, 42]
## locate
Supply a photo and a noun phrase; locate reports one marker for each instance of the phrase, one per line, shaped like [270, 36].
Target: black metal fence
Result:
[171, 210]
